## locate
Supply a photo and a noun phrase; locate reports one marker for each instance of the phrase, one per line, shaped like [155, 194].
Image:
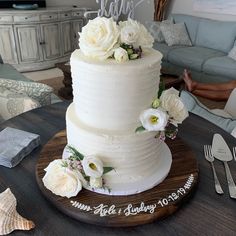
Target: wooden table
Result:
[66, 92]
[205, 214]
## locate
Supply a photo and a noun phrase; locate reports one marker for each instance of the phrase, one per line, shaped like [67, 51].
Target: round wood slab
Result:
[122, 211]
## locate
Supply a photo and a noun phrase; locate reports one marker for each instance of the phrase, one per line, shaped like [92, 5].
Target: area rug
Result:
[56, 83]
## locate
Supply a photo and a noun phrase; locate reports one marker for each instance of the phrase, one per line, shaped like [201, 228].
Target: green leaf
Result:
[161, 87]
[64, 164]
[107, 169]
[75, 153]
[133, 56]
[139, 129]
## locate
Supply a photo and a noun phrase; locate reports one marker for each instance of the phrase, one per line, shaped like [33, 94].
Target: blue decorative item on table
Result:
[25, 6]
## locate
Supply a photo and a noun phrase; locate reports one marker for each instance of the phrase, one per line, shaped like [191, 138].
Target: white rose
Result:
[95, 182]
[93, 166]
[60, 180]
[99, 38]
[121, 55]
[154, 119]
[134, 33]
[172, 103]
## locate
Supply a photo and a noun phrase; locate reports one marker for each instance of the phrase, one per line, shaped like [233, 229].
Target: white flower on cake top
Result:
[103, 38]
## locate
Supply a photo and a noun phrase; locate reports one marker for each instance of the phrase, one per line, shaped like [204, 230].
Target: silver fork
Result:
[234, 153]
[210, 158]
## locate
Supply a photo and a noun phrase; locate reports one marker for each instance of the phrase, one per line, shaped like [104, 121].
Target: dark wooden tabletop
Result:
[205, 214]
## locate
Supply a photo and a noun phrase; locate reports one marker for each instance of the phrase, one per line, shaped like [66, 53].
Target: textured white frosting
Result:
[108, 100]
[110, 95]
[134, 156]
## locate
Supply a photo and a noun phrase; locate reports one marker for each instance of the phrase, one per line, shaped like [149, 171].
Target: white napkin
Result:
[15, 145]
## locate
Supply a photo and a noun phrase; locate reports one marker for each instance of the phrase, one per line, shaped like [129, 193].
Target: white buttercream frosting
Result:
[110, 95]
[134, 156]
[108, 100]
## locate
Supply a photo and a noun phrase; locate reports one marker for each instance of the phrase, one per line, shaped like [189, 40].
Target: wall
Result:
[145, 11]
[186, 7]
[79, 3]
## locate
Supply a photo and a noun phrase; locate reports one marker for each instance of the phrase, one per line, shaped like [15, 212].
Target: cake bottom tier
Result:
[140, 160]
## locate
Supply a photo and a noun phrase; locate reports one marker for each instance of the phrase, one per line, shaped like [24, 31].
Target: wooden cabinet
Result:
[66, 33]
[28, 43]
[51, 41]
[7, 44]
[76, 28]
[34, 40]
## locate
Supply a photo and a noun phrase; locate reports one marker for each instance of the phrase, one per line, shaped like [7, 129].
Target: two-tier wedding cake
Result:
[116, 122]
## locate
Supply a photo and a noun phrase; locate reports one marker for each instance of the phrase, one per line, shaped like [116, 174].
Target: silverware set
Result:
[220, 150]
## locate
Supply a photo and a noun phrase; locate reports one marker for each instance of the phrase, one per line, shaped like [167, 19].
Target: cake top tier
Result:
[149, 57]
[103, 38]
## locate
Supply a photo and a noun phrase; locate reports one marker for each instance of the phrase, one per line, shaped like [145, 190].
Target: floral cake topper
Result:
[103, 38]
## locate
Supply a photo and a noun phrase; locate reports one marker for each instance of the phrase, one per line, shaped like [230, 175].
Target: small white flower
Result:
[134, 33]
[121, 55]
[61, 180]
[154, 119]
[172, 103]
[99, 38]
[95, 182]
[93, 166]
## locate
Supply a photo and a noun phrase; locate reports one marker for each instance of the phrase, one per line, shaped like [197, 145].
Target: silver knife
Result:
[221, 151]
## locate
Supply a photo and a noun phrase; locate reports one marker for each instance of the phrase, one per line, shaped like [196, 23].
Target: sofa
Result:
[19, 94]
[207, 57]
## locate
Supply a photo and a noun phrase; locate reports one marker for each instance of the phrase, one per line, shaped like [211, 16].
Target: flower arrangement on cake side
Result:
[103, 38]
[166, 113]
[66, 177]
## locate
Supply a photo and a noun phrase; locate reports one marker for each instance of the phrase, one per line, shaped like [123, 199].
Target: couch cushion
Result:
[13, 104]
[9, 72]
[155, 30]
[217, 35]
[192, 58]
[164, 49]
[191, 23]
[37, 91]
[221, 66]
[175, 34]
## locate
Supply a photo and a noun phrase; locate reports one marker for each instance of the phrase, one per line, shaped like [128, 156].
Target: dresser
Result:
[37, 39]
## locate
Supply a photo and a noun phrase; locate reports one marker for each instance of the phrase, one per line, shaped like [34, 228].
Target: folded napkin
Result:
[15, 145]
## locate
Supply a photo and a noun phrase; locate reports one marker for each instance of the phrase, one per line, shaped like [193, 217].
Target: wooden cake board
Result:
[123, 211]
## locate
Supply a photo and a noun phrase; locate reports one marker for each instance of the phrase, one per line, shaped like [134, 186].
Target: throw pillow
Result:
[154, 28]
[13, 104]
[175, 34]
[232, 53]
[37, 91]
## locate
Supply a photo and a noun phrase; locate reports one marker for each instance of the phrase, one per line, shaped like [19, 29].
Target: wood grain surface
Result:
[207, 213]
[166, 198]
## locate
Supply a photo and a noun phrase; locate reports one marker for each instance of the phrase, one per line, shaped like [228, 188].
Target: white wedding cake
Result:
[116, 123]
